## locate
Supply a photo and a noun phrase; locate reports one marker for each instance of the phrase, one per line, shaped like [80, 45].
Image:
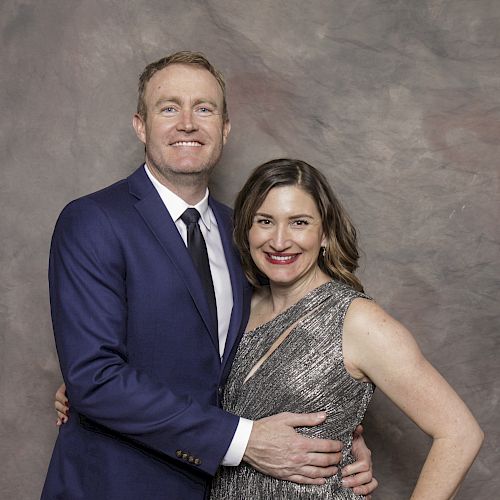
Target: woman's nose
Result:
[280, 238]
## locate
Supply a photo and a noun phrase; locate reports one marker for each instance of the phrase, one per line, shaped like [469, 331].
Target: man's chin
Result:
[192, 174]
[192, 170]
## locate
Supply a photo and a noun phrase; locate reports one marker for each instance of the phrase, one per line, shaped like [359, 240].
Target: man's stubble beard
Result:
[175, 177]
[185, 179]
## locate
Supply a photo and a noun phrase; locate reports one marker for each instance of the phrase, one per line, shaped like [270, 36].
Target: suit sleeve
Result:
[89, 313]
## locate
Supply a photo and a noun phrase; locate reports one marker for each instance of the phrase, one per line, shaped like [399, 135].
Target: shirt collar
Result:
[175, 205]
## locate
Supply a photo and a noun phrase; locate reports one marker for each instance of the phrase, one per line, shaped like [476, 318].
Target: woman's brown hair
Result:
[340, 257]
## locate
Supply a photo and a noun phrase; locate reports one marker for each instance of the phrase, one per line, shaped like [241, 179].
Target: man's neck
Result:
[190, 187]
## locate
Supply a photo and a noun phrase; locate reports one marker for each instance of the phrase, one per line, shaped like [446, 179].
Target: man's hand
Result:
[276, 449]
[359, 475]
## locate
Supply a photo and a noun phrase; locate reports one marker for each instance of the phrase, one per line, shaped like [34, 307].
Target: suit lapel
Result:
[158, 220]
[237, 277]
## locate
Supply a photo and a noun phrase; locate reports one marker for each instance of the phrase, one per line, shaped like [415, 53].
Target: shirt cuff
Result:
[239, 443]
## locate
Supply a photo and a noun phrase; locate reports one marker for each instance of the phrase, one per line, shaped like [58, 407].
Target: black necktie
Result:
[198, 250]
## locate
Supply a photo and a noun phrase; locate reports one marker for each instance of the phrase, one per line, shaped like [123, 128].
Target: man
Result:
[144, 343]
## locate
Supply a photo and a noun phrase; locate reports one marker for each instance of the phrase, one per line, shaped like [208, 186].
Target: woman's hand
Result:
[61, 404]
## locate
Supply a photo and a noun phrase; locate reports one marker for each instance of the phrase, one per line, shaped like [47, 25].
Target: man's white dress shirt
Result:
[176, 206]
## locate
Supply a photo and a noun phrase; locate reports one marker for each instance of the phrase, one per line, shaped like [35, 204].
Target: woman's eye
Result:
[301, 222]
[263, 222]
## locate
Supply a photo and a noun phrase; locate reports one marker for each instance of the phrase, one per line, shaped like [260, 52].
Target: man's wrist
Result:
[239, 443]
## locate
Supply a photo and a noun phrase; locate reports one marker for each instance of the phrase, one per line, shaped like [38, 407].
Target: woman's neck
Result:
[284, 296]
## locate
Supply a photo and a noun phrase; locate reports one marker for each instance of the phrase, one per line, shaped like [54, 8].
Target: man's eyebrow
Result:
[203, 100]
[164, 100]
[176, 100]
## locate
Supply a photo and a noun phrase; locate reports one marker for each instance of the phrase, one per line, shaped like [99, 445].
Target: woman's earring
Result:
[323, 251]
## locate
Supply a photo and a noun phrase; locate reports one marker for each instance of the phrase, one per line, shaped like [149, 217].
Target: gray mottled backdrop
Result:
[397, 101]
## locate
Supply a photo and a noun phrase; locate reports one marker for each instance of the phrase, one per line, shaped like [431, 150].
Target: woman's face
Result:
[286, 236]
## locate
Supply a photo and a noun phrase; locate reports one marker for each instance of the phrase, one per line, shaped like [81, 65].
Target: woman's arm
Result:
[379, 348]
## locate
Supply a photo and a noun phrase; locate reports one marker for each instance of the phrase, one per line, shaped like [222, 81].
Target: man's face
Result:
[183, 132]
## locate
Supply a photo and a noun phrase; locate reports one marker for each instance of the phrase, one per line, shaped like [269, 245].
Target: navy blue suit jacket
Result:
[137, 351]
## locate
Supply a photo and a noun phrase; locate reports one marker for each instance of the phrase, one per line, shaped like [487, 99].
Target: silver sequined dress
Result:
[305, 374]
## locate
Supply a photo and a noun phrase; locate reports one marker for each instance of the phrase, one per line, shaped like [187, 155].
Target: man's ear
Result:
[226, 128]
[140, 127]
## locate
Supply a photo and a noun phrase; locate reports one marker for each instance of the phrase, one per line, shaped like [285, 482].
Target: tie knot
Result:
[190, 216]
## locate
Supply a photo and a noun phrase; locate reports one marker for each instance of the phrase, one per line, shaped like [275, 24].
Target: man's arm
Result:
[358, 475]
[276, 449]
[89, 311]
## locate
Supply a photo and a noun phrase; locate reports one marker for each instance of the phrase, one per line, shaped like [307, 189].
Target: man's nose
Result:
[186, 121]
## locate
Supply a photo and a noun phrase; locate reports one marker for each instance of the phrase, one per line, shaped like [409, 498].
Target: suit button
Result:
[191, 459]
[197, 461]
[185, 456]
[178, 453]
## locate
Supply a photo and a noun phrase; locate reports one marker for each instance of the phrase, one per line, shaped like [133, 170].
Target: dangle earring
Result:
[323, 252]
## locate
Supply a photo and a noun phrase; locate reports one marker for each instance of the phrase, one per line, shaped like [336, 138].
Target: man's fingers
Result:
[318, 472]
[312, 475]
[316, 445]
[327, 446]
[276, 449]
[306, 480]
[357, 479]
[324, 459]
[359, 430]
[366, 489]
[303, 419]
[356, 468]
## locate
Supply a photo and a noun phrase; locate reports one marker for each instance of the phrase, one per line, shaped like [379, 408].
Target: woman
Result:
[315, 341]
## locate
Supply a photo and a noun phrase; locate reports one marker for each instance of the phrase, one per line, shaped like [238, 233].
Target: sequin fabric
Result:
[305, 374]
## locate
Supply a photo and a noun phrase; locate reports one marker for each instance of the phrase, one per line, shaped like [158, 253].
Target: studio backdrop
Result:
[396, 101]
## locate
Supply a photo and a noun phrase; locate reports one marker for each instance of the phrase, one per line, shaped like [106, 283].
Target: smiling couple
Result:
[163, 390]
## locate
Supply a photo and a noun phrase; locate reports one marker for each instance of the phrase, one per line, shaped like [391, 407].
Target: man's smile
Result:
[190, 144]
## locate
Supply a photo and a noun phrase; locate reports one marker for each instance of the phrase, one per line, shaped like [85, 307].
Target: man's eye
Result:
[168, 109]
[205, 111]
[301, 222]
